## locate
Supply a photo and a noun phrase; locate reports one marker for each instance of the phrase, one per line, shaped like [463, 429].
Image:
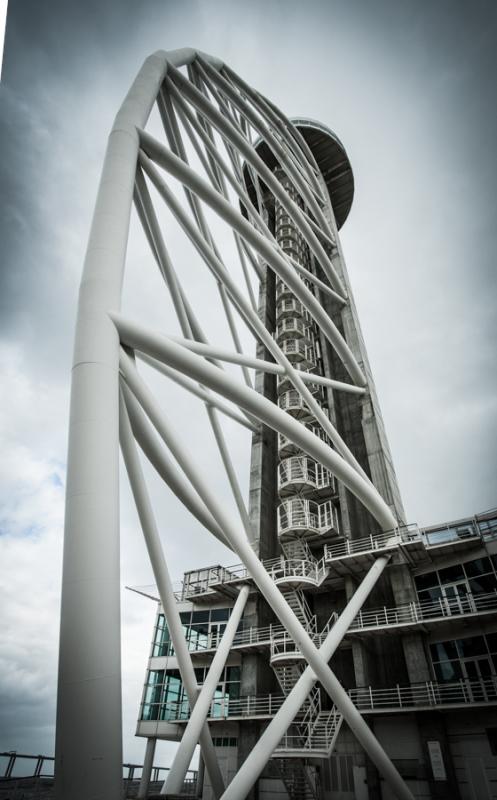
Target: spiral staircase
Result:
[307, 516]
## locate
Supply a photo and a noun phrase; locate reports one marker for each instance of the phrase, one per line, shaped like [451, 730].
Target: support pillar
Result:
[147, 768]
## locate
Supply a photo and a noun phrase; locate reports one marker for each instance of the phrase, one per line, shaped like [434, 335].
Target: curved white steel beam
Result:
[189, 363]
[166, 593]
[226, 129]
[182, 172]
[247, 313]
[88, 746]
[182, 359]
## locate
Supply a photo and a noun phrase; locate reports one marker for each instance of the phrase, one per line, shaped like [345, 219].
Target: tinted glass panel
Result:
[472, 646]
[220, 614]
[443, 651]
[426, 581]
[478, 567]
[451, 574]
[200, 616]
[233, 674]
[448, 671]
[483, 584]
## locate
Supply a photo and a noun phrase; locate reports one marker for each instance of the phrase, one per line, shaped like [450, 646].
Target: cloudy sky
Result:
[409, 87]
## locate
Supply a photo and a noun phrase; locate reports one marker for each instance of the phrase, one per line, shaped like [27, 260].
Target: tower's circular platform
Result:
[331, 159]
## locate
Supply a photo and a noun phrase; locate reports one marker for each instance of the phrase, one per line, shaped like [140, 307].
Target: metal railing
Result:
[292, 401]
[403, 536]
[373, 542]
[315, 735]
[296, 349]
[299, 514]
[292, 306]
[43, 771]
[430, 694]
[293, 326]
[425, 611]
[304, 470]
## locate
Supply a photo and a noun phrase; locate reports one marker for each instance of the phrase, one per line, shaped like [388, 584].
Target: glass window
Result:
[431, 595]
[448, 670]
[426, 581]
[483, 584]
[161, 639]
[200, 616]
[488, 528]
[451, 574]
[492, 642]
[220, 614]
[478, 567]
[233, 674]
[443, 651]
[472, 646]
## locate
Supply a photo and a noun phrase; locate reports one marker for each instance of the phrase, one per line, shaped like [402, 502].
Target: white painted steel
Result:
[148, 763]
[268, 742]
[189, 740]
[239, 542]
[88, 748]
[166, 592]
[187, 362]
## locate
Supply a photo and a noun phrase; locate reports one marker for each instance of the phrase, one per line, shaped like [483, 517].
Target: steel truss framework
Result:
[110, 401]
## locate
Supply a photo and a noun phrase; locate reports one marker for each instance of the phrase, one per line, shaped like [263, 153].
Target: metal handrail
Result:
[380, 541]
[430, 694]
[425, 610]
[398, 537]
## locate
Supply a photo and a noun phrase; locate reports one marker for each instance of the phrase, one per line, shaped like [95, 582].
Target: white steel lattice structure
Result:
[110, 401]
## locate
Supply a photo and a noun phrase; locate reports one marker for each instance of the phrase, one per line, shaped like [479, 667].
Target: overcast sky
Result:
[409, 87]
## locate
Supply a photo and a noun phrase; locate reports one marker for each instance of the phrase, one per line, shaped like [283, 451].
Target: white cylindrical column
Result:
[189, 741]
[88, 749]
[88, 746]
[147, 768]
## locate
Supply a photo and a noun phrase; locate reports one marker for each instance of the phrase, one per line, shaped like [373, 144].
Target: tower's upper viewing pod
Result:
[331, 159]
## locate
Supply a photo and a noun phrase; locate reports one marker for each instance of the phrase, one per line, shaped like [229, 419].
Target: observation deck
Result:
[332, 161]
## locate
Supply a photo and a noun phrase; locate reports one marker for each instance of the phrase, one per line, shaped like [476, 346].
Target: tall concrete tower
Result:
[333, 659]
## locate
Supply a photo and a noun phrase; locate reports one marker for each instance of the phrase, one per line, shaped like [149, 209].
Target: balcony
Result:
[301, 517]
[292, 328]
[452, 537]
[291, 307]
[424, 696]
[353, 556]
[306, 476]
[368, 700]
[428, 613]
[298, 352]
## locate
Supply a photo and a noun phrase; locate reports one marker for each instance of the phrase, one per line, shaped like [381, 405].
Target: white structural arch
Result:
[206, 104]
